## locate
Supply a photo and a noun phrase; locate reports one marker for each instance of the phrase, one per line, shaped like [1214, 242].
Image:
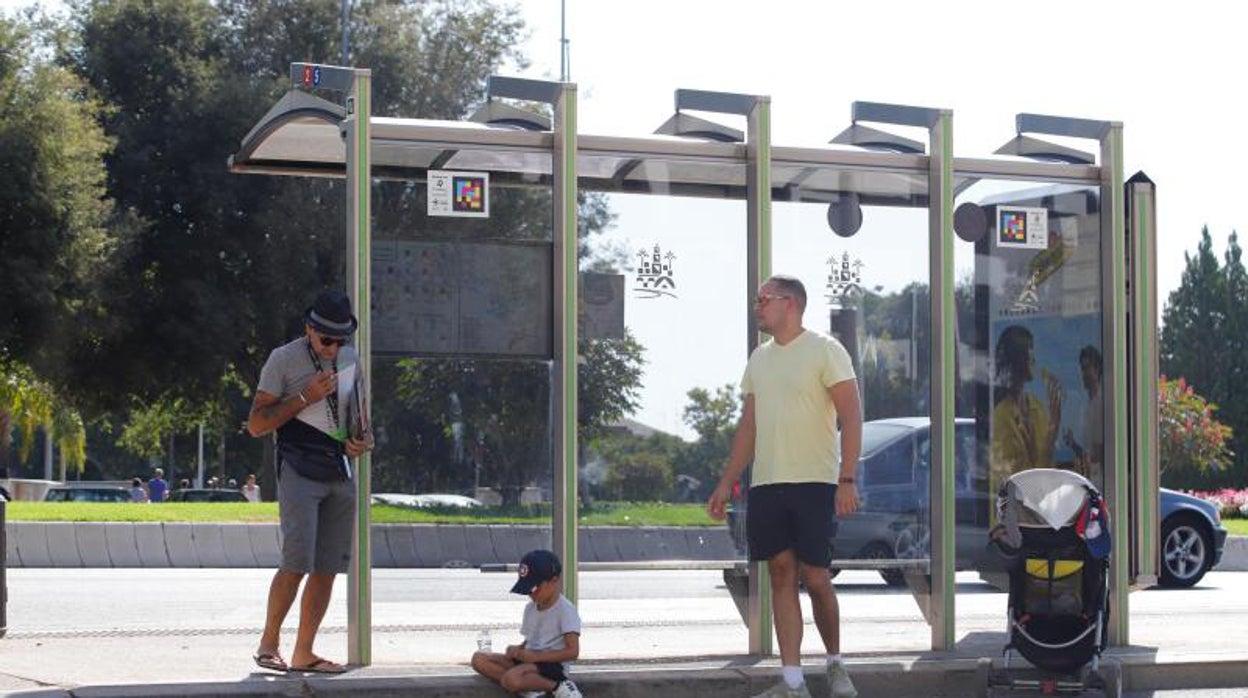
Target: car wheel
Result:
[880, 551]
[1186, 552]
[912, 543]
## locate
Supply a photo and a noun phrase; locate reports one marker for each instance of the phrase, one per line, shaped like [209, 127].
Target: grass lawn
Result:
[601, 514]
[1237, 527]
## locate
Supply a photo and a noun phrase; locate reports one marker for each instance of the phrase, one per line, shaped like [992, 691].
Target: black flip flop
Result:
[270, 661]
[321, 666]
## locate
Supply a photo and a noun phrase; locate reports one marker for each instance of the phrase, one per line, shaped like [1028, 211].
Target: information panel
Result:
[473, 298]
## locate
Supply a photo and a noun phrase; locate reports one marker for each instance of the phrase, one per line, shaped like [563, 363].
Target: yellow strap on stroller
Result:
[1061, 568]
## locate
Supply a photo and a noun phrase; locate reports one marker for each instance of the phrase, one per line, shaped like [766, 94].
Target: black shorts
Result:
[552, 670]
[797, 516]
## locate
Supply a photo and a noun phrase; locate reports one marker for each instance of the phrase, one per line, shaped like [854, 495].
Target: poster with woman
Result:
[1040, 266]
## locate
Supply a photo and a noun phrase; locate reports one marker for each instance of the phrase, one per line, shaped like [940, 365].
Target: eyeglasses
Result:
[764, 299]
[332, 341]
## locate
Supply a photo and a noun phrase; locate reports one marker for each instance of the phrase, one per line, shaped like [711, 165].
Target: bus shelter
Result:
[1000, 309]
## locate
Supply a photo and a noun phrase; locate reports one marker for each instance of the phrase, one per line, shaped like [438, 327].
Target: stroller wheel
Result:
[983, 678]
[1111, 677]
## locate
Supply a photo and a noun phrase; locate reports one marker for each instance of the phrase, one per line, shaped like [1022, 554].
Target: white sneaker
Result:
[839, 685]
[782, 690]
[567, 689]
[532, 694]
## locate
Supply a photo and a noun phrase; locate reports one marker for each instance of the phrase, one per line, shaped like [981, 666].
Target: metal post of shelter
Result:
[561, 96]
[942, 319]
[943, 382]
[565, 299]
[359, 275]
[357, 84]
[757, 112]
[1141, 209]
[758, 267]
[1114, 329]
[1115, 383]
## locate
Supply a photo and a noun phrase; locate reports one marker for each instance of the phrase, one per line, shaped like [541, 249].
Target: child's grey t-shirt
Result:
[544, 630]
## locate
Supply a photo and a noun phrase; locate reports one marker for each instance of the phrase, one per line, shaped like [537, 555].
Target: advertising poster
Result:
[1043, 333]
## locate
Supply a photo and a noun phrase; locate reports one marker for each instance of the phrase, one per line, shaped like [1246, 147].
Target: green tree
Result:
[28, 403]
[221, 266]
[1192, 441]
[1204, 325]
[1194, 322]
[640, 477]
[503, 409]
[56, 243]
[621, 465]
[713, 417]
[891, 388]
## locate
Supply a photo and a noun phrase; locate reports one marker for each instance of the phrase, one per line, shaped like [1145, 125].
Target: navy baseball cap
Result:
[536, 566]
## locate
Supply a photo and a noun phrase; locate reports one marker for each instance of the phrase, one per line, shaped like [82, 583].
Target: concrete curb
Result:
[194, 545]
[62, 544]
[1234, 555]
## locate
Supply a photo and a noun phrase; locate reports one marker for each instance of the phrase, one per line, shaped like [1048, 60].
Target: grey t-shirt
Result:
[290, 368]
[544, 630]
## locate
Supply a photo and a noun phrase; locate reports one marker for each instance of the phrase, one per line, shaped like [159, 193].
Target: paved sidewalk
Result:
[653, 647]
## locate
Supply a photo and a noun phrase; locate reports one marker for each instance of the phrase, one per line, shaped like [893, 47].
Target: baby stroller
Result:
[1053, 536]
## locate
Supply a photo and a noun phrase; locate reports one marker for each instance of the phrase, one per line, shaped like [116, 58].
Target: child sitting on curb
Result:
[551, 629]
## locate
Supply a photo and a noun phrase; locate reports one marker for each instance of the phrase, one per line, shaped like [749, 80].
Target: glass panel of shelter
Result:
[461, 336]
[858, 240]
[677, 268]
[1029, 344]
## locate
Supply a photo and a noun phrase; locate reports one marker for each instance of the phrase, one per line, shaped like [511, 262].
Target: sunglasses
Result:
[332, 341]
[764, 299]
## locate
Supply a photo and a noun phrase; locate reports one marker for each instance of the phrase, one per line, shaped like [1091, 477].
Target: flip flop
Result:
[321, 666]
[271, 661]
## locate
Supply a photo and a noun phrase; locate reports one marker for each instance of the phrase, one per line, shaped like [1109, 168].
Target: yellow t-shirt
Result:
[795, 420]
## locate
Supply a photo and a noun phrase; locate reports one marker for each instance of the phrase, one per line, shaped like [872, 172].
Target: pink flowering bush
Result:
[1191, 439]
[1232, 503]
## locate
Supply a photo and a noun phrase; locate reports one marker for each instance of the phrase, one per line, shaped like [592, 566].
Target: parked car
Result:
[892, 488]
[87, 494]
[206, 495]
[399, 499]
[1192, 538]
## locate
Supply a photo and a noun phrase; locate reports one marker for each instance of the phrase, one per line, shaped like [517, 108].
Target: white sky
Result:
[1166, 73]
[1169, 74]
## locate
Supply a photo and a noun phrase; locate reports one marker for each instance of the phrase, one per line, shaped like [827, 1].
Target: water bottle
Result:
[483, 641]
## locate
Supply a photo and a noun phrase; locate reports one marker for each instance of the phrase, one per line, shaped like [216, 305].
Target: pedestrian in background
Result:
[157, 488]
[796, 386]
[137, 492]
[250, 490]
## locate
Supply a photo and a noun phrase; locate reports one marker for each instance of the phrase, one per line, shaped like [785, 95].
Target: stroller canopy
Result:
[1052, 496]
[1047, 497]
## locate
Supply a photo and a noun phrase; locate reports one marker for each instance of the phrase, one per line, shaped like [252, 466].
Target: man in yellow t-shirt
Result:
[796, 386]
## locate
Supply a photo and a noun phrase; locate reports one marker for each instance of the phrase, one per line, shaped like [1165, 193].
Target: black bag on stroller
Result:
[1053, 535]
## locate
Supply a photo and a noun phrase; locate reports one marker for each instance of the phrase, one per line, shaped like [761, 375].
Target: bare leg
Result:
[786, 606]
[827, 609]
[525, 677]
[282, 593]
[491, 665]
[312, 606]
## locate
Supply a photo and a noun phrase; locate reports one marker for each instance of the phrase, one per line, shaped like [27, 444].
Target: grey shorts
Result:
[317, 522]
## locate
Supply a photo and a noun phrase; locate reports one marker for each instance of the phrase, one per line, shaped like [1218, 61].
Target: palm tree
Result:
[27, 403]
